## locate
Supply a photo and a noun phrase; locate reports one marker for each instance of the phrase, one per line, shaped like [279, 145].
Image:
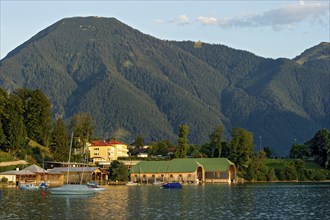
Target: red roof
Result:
[106, 143]
[171, 149]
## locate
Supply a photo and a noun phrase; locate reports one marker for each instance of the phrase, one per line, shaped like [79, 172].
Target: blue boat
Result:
[172, 186]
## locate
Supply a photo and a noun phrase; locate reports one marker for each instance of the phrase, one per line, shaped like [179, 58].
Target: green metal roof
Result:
[215, 164]
[185, 165]
[150, 167]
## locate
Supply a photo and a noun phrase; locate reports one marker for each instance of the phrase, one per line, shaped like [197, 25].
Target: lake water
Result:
[220, 201]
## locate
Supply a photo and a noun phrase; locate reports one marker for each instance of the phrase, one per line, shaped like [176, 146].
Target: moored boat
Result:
[95, 186]
[158, 182]
[43, 185]
[131, 184]
[72, 189]
[174, 185]
[28, 187]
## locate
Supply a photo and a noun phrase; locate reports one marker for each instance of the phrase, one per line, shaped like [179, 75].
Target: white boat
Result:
[156, 182]
[98, 189]
[95, 186]
[71, 189]
[131, 184]
[28, 187]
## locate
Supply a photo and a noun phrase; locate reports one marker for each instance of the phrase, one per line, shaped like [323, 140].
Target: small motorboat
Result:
[156, 182]
[131, 184]
[174, 185]
[28, 187]
[43, 185]
[93, 185]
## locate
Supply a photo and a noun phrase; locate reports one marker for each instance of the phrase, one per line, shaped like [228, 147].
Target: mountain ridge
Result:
[133, 83]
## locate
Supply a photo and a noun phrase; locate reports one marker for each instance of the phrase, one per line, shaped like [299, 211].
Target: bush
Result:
[320, 175]
[271, 175]
[4, 180]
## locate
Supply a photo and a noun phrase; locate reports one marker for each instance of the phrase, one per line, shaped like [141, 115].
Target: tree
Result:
[257, 169]
[268, 152]
[118, 171]
[3, 102]
[271, 175]
[299, 151]
[161, 148]
[37, 115]
[59, 145]
[226, 150]
[242, 146]
[320, 147]
[2, 136]
[300, 169]
[158, 148]
[215, 140]
[195, 151]
[181, 151]
[14, 128]
[139, 141]
[82, 126]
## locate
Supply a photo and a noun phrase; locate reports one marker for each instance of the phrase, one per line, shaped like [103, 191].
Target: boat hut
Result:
[187, 170]
[81, 174]
[32, 174]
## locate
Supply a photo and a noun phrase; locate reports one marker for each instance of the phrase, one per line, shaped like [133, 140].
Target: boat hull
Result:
[131, 184]
[172, 186]
[72, 190]
[28, 187]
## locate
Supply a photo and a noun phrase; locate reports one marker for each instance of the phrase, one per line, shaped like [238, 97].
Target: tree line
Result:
[25, 115]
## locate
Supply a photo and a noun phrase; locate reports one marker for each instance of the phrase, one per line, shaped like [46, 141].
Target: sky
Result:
[271, 29]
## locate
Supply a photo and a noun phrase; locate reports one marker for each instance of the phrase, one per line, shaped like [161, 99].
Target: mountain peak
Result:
[318, 52]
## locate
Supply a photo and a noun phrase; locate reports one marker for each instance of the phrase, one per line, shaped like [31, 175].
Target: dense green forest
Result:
[132, 83]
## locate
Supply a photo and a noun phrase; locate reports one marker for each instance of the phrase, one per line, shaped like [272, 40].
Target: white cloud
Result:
[159, 21]
[207, 20]
[286, 16]
[293, 14]
[181, 20]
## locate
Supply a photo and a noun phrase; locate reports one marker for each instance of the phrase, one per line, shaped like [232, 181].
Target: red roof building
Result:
[107, 151]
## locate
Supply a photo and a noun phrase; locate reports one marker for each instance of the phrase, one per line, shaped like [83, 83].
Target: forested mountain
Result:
[132, 84]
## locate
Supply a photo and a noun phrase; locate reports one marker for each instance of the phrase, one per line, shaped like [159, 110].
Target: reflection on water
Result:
[248, 201]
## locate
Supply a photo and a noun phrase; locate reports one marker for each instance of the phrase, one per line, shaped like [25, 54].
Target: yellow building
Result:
[104, 151]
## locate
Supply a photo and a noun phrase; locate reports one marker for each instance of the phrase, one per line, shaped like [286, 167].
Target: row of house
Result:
[187, 170]
[205, 170]
[57, 176]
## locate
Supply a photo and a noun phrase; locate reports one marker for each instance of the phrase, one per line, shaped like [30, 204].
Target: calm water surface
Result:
[247, 201]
